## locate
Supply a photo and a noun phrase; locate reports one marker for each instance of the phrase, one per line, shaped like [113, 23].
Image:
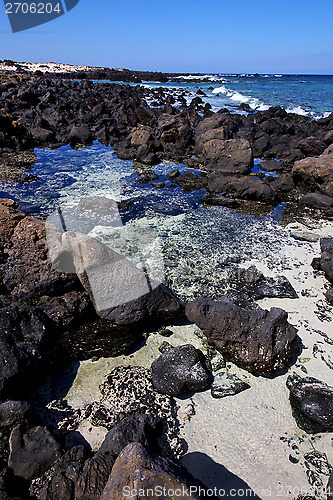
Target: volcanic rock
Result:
[180, 369]
[312, 403]
[260, 341]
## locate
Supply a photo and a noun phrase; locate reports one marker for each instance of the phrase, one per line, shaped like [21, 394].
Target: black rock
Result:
[226, 384]
[260, 341]
[312, 403]
[329, 296]
[12, 412]
[180, 369]
[32, 451]
[138, 465]
[251, 284]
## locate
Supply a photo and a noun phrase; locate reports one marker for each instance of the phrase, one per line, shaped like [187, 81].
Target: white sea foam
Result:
[209, 78]
[239, 97]
[298, 110]
[220, 90]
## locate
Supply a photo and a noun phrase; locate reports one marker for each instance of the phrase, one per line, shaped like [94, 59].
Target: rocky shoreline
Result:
[48, 111]
[49, 318]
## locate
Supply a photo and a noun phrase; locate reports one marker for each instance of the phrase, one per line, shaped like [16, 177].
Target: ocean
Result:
[307, 95]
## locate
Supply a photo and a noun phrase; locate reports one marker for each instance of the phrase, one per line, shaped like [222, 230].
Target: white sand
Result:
[242, 433]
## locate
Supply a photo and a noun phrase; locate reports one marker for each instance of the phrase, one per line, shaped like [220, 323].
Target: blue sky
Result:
[234, 36]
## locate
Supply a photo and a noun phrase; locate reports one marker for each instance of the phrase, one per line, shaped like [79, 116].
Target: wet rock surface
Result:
[312, 403]
[179, 370]
[260, 341]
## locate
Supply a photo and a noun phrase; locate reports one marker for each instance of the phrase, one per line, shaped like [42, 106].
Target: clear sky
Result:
[219, 36]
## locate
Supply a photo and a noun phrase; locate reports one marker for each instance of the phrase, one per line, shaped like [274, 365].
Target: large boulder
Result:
[141, 470]
[232, 156]
[22, 334]
[28, 272]
[180, 369]
[315, 173]
[318, 200]
[311, 146]
[260, 341]
[9, 218]
[312, 403]
[121, 292]
[12, 412]
[74, 476]
[247, 187]
[32, 451]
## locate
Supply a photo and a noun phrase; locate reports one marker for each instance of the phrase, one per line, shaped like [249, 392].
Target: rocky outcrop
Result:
[233, 156]
[260, 341]
[245, 188]
[139, 469]
[250, 284]
[315, 175]
[33, 450]
[121, 292]
[44, 308]
[180, 369]
[312, 403]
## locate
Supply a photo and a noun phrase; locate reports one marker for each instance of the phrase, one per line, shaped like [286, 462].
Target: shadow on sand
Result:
[215, 475]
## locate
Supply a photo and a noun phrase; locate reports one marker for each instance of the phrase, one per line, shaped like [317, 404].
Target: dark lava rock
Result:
[272, 165]
[61, 480]
[226, 384]
[260, 341]
[329, 296]
[315, 174]
[317, 200]
[98, 338]
[220, 200]
[251, 284]
[180, 369]
[233, 156]
[326, 260]
[147, 177]
[83, 478]
[139, 468]
[12, 412]
[32, 451]
[311, 146]
[190, 181]
[22, 335]
[312, 403]
[248, 188]
[80, 135]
